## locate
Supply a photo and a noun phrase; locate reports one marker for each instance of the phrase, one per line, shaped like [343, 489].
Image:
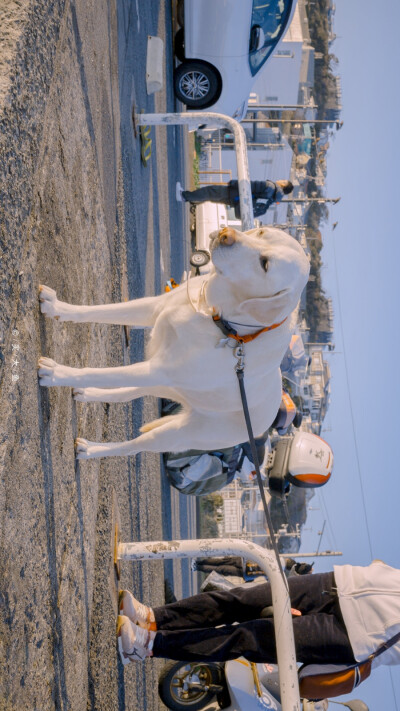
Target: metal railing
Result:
[193, 119]
[166, 550]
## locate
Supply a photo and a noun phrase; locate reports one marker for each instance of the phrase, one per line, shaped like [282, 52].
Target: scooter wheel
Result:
[223, 698]
[184, 687]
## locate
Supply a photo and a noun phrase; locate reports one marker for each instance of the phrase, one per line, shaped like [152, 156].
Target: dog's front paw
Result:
[52, 373]
[47, 372]
[89, 450]
[52, 307]
[49, 302]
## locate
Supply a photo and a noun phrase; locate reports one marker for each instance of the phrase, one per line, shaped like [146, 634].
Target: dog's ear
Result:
[268, 310]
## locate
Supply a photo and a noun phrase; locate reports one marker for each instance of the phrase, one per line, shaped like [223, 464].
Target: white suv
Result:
[223, 45]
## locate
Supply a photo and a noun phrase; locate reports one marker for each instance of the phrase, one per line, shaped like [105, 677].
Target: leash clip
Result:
[226, 342]
[238, 352]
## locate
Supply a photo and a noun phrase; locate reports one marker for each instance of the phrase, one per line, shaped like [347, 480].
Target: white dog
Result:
[256, 282]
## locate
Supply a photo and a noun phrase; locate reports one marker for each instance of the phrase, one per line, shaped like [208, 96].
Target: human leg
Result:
[255, 640]
[190, 629]
[319, 638]
[207, 193]
[227, 565]
[322, 639]
[217, 607]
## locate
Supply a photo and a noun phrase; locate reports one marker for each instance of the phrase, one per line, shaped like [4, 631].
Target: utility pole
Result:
[290, 226]
[320, 200]
[280, 107]
[339, 124]
[271, 146]
[322, 554]
[321, 533]
[230, 146]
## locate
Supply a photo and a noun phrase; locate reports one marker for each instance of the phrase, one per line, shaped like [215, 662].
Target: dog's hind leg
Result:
[139, 313]
[162, 437]
[122, 394]
[176, 433]
[106, 394]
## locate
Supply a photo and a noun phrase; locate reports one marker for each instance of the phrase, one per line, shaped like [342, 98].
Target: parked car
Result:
[211, 216]
[223, 45]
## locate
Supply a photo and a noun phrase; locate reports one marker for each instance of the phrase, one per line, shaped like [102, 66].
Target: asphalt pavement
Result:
[82, 214]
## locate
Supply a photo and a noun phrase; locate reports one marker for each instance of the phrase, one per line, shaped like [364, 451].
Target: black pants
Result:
[187, 630]
[228, 565]
[211, 193]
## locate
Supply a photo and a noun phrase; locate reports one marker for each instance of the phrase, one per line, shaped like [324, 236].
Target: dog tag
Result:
[222, 342]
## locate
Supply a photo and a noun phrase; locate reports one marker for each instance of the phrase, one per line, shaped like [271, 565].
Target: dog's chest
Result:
[190, 353]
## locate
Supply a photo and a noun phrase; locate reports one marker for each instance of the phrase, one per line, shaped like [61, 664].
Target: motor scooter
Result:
[237, 685]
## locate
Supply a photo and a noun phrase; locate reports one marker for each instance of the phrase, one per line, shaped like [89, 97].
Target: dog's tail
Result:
[156, 423]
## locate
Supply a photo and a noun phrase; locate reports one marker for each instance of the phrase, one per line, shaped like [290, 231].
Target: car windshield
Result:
[271, 17]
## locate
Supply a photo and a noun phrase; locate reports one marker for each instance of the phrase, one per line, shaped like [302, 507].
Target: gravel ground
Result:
[79, 213]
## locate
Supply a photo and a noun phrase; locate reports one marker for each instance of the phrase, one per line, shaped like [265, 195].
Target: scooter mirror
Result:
[356, 705]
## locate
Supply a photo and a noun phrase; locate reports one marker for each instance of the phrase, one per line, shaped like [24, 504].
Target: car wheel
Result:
[196, 84]
[199, 258]
[180, 45]
[180, 13]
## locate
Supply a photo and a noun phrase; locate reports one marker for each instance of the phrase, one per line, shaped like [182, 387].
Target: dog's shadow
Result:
[44, 415]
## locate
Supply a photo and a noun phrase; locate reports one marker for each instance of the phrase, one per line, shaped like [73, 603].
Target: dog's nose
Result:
[227, 236]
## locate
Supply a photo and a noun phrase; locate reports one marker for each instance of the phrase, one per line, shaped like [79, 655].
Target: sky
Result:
[361, 273]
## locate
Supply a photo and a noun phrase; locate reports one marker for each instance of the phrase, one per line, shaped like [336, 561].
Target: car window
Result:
[271, 17]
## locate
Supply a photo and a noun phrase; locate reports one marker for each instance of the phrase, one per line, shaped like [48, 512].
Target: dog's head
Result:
[261, 272]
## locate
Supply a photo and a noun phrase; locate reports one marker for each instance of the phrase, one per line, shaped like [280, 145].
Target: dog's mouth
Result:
[214, 240]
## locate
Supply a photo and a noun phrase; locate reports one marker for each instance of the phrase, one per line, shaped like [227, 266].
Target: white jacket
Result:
[369, 600]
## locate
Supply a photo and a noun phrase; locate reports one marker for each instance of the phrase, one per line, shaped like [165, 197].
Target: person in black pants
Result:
[235, 565]
[226, 565]
[264, 193]
[202, 627]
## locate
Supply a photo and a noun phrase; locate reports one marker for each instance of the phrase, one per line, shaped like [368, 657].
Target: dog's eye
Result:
[264, 263]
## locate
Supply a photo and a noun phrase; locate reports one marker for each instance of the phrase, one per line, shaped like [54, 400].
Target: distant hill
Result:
[319, 15]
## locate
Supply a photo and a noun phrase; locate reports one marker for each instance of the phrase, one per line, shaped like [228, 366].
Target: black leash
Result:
[239, 368]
